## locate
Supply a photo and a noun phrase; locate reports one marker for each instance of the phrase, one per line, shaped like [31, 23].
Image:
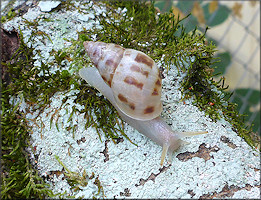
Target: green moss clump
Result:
[19, 178]
[77, 181]
[8, 12]
[199, 84]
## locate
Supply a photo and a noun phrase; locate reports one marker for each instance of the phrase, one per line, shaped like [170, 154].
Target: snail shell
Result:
[133, 77]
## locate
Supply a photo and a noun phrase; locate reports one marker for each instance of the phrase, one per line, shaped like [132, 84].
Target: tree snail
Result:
[130, 80]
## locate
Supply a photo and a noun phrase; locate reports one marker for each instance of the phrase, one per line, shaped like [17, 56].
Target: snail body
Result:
[130, 80]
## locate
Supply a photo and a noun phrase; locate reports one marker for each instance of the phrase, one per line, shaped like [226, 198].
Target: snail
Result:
[131, 81]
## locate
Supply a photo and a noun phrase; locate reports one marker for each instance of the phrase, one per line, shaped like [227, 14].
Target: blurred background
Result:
[234, 27]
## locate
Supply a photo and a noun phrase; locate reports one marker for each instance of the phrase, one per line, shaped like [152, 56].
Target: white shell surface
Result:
[136, 81]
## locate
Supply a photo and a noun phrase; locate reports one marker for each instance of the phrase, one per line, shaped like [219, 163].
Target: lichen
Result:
[78, 181]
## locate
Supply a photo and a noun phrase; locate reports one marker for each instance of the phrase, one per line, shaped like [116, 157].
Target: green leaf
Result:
[218, 17]
[251, 108]
[254, 97]
[185, 6]
[164, 6]
[190, 22]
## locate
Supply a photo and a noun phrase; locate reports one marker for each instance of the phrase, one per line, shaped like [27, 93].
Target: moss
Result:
[8, 12]
[211, 96]
[10, 15]
[77, 181]
[20, 179]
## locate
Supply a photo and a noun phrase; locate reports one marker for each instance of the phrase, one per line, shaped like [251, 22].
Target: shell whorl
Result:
[133, 77]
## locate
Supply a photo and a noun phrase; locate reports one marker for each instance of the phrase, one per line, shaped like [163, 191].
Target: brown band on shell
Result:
[160, 75]
[136, 68]
[109, 83]
[132, 81]
[104, 78]
[145, 73]
[95, 52]
[111, 76]
[155, 92]
[149, 109]
[132, 106]
[141, 58]
[111, 62]
[122, 98]
[106, 81]
[158, 82]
